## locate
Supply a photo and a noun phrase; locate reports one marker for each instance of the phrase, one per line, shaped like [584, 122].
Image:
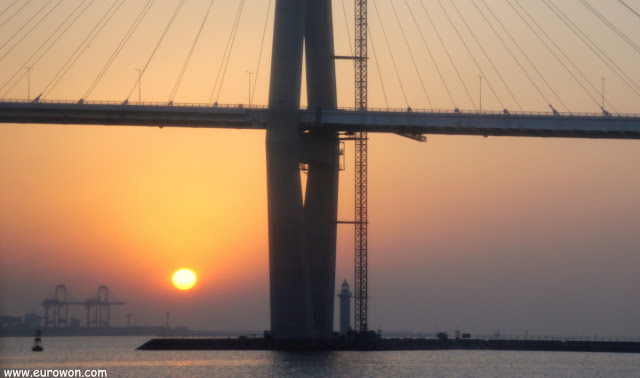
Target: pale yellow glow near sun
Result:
[184, 279]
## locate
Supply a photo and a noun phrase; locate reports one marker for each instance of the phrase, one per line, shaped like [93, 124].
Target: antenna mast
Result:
[361, 220]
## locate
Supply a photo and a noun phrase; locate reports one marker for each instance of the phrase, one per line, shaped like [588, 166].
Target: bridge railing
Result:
[494, 112]
[349, 109]
[137, 103]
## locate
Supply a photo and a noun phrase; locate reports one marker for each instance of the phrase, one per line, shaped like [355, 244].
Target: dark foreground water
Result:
[117, 355]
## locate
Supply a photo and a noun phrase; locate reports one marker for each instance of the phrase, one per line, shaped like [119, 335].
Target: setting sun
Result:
[184, 279]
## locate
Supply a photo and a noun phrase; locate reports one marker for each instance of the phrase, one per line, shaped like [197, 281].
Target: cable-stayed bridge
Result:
[302, 233]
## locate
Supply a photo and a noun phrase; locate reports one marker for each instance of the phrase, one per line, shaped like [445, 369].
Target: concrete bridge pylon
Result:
[302, 232]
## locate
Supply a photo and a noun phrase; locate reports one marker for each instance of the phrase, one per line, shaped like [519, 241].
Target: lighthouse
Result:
[345, 305]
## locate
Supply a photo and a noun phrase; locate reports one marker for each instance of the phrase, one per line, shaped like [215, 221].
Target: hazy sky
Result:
[515, 234]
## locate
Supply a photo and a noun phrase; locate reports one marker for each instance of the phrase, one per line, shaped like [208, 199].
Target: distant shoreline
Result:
[156, 331]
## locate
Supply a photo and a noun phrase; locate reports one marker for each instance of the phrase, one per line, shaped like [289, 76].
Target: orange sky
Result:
[483, 234]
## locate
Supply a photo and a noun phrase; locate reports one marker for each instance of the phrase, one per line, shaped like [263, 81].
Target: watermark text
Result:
[55, 373]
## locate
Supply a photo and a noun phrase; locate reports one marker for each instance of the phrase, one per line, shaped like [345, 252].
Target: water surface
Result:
[118, 356]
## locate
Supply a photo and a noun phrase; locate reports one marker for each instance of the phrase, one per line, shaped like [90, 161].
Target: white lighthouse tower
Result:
[345, 306]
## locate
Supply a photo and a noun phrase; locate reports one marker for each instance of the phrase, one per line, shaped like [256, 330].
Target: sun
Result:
[184, 279]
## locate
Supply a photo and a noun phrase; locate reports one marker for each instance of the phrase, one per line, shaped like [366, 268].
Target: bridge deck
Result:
[616, 126]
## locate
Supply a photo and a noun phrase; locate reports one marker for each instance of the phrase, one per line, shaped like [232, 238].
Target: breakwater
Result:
[388, 344]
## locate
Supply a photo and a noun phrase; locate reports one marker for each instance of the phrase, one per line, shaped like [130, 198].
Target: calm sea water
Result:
[118, 356]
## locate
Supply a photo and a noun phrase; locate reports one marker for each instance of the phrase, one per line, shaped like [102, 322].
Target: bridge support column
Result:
[322, 156]
[290, 280]
[302, 238]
